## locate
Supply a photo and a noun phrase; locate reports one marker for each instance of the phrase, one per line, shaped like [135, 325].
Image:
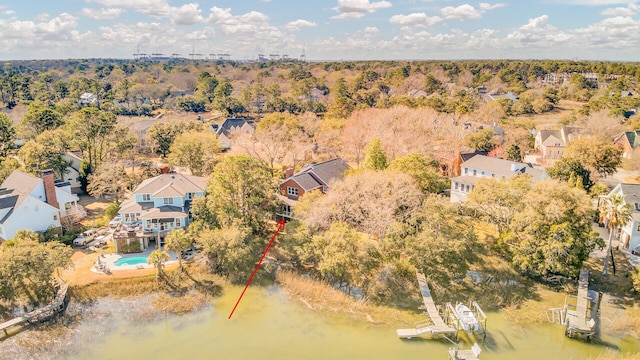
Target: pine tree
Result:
[375, 158]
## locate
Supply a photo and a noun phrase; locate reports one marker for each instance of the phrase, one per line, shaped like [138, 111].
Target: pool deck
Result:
[109, 261]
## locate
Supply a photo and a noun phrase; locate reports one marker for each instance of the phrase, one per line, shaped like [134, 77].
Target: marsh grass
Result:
[177, 293]
[323, 298]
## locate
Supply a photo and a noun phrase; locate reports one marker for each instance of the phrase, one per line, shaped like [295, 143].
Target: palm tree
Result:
[618, 213]
[157, 258]
[176, 240]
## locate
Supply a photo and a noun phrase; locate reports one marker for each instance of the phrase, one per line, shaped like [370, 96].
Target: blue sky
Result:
[325, 29]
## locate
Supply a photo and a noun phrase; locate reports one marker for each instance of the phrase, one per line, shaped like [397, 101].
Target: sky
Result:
[322, 29]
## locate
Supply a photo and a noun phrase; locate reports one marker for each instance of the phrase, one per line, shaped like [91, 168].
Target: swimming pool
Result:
[131, 261]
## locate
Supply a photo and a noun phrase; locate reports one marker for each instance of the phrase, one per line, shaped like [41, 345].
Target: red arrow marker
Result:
[280, 226]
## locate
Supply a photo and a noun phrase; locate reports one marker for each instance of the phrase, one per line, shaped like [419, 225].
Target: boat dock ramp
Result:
[443, 321]
[580, 313]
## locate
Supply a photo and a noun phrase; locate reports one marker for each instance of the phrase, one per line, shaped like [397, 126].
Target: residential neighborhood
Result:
[428, 200]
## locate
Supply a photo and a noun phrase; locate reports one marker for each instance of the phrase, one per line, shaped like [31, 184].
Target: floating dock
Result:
[473, 354]
[437, 326]
[38, 315]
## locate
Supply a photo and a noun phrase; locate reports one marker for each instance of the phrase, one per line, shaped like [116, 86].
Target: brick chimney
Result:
[288, 172]
[50, 188]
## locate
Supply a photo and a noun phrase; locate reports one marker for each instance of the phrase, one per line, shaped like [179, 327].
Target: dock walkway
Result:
[438, 326]
[39, 314]
[581, 320]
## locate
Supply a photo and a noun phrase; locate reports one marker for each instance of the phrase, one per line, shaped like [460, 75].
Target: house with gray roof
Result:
[629, 236]
[159, 205]
[481, 166]
[33, 203]
[318, 176]
[231, 127]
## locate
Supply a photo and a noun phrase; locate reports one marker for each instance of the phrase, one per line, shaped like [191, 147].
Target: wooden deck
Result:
[39, 314]
[437, 326]
[581, 320]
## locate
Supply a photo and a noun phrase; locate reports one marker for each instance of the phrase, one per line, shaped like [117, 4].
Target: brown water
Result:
[269, 325]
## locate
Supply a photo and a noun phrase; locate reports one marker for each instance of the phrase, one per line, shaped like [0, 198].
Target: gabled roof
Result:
[325, 173]
[20, 181]
[234, 124]
[172, 183]
[561, 137]
[632, 136]
[15, 189]
[306, 181]
[502, 167]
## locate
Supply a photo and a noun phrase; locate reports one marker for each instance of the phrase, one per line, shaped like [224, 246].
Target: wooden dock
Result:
[472, 354]
[438, 326]
[39, 314]
[582, 320]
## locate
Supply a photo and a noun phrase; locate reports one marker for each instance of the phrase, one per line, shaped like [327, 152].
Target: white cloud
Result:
[630, 10]
[355, 9]
[594, 2]
[415, 19]
[466, 11]
[101, 14]
[538, 31]
[187, 14]
[155, 8]
[43, 17]
[297, 24]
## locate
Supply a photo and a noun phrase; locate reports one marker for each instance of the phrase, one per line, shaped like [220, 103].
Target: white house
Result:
[28, 202]
[481, 166]
[161, 204]
[87, 98]
[72, 174]
[629, 235]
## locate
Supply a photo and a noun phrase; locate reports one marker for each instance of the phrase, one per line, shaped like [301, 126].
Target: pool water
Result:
[131, 261]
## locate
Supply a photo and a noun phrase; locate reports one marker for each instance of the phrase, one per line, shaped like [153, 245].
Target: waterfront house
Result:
[159, 205]
[33, 203]
[481, 166]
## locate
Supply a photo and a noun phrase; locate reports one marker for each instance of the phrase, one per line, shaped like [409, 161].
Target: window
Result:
[148, 226]
[178, 224]
[475, 172]
[146, 197]
[456, 186]
[466, 171]
[168, 201]
[292, 191]
[55, 217]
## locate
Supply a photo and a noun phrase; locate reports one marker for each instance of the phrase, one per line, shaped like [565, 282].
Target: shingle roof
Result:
[179, 182]
[131, 205]
[313, 176]
[14, 189]
[306, 181]
[502, 167]
[631, 193]
[329, 171]
[232, 124]
[163, 212]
